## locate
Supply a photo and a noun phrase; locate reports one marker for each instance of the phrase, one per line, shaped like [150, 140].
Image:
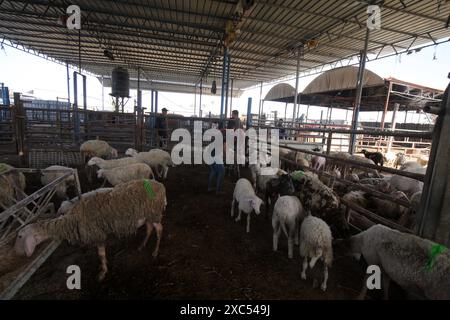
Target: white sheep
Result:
[124, 174]
[399, 160]
[246, 199]
[363, 160]
[318, 162]
[109, 164]
[287, 215]
[408, 185]
[10, 182]
[68, 204]
[389, 157]
[419, 266]
[159, 160]
[93, 219]
[54, 172]
[97, 148]
[315, 243]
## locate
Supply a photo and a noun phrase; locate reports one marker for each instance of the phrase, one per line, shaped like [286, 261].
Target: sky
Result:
[23, 72]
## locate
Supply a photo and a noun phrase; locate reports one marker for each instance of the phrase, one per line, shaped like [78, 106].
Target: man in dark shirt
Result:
[161, 124]
[234, 122]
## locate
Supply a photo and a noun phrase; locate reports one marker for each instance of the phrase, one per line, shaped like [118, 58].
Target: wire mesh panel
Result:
[43, 158]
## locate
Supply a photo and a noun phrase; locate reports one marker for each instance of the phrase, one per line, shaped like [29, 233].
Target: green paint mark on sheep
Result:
[149, 189]
[296, 175]
[435, 250]
[3, 168]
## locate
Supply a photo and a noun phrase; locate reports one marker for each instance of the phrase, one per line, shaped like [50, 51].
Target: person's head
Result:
[235, 114]
[164, 111]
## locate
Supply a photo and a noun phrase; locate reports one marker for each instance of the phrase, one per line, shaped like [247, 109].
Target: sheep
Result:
[389, 157]
[255, 168]
[287, 215]
[11, 181]
[246, 199]
[376, 157]
[357, 197]
[97, 148]
[389, 209]
[91, 220]
[68, 204]
[155, 158]
[359, 170]
[329, 181]
[297, 157]
[417, 265]
[52, 173]
[318, 162]
[275, 187]
[423, 160]
[399, 160]
[408, 185]
[315, 243]
[120, 175]
[414, 167]
[319, 199]
[265, 174]
[110, 164]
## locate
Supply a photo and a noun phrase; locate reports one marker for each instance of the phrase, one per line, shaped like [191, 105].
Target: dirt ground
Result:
[204, 254]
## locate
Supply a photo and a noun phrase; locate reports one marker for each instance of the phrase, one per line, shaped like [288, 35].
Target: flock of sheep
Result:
[304, 206]
[310, 214]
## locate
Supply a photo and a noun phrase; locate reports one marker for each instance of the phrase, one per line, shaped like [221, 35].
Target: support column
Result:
[297, 72]
[386, 104]
[225, 79]
[260, 101]
[68, 82]
[359, 87]
[231, 97]
[393, 125]
[201, 92]
[433, 217]
[285, 111]
[249, 113]
[103, 95]
[195, 99]
[139, 93]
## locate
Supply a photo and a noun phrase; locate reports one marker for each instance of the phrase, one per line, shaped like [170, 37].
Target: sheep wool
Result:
[109, 164]
[120, 175]
[54, 172]
[97, 148]
[7, 180]
[117, 212]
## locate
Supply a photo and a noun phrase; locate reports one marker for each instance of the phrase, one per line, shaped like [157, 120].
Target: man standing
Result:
[234, 122]
[161, 125]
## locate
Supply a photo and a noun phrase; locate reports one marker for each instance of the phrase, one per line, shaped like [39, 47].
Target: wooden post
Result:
[386, 104]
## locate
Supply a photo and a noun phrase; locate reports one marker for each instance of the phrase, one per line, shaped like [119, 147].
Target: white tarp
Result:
[342, 79]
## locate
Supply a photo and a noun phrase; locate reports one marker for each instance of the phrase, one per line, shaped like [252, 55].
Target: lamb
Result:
[319, 199]
[315, 243]
[68, 204]
[376, 157]
[399, 160]
[120, 175]
[418, 265]
[110, 164]
[8, 179]
[246, 199]
[156, 158]
[287, 215]
[97, 148]
[91, 220]
[52, 173]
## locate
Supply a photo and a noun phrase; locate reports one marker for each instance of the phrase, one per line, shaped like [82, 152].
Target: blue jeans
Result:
[217, 171]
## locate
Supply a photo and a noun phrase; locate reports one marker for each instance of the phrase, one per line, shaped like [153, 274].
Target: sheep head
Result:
[131, 152]
[256, 203]
[28, 238]
[100, 173]
[94, 161]
[113, 153]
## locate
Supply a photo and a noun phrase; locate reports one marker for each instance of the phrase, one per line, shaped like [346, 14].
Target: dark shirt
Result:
[234, 124]
[161, 123]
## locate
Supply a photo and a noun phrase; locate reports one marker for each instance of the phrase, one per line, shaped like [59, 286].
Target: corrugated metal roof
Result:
[181, 40]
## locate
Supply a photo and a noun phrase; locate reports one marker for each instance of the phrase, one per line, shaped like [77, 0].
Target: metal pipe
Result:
[297, 73]
[359, 87]
[386, 104]
[195, 99]
[201, 91]
[231, 96]
[68, 82]
[103, 95]
[249, 113]
[260, 101]
[139, 93]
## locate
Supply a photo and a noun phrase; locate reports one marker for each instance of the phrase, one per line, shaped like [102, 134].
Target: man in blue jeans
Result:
[217, 170]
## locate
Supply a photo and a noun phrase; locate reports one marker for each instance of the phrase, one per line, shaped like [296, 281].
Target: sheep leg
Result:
[159, 230]
[290, 247]
[276, 235]
[166, 169]
[232, 207]
[313, 261]
[103, 184]
[305, 266]
[325, 278]
[248, 222]
[239, 215]
[148, 233]
[103, 262]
